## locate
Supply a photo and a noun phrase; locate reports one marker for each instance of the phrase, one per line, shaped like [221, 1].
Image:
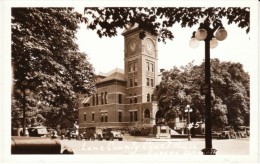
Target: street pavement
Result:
[151, 145]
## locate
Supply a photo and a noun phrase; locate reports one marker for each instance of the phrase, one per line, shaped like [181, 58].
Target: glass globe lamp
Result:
[201, 34]
[221, 34]
[194, 43]
[213, 43]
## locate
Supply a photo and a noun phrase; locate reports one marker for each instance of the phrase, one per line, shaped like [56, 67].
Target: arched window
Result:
[152, 97]
[146, 113]
[148, 97]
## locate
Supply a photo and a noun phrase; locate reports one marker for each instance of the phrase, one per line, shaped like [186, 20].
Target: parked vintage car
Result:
[242, 132]
[228, 132]
[111, 134]
[70, 133]
[52, 133]
[38, 131]
[248, 131]
[37, 145]
[91, 134]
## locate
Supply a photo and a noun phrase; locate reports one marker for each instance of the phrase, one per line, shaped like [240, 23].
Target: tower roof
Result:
[130, 29]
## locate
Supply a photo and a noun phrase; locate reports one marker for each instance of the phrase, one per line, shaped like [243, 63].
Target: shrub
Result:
[140, 130]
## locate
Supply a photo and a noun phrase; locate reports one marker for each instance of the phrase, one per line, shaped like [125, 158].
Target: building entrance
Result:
[159, 117]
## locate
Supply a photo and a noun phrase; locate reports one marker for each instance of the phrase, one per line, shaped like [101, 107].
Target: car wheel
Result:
[100, 138]
[92, 138]
[112, 138]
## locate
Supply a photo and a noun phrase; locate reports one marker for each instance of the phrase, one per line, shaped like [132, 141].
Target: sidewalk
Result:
[154, 139]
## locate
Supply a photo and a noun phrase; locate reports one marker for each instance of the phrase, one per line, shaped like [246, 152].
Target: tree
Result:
[230, 92]
[231, 84]
[158, 20]
[46, 60]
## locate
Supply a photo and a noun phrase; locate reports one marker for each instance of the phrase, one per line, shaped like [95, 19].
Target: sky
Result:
[107, 53]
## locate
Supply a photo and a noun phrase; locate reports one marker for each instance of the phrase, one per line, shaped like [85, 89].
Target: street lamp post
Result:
[206, 33]
[188, 110]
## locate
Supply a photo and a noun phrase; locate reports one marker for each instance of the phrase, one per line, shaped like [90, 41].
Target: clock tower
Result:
[140, 65]
[125, 98]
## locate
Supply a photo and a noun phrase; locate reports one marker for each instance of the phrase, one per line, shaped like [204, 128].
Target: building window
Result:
[93, 117]
[106, 117]
[131, 82]
[135, 116]
[152, 97]
[152, 67]
[147, 66]
[151, 82]
[131, 67]
[135, 98]
[120, 98]
[146, 113]
[148, 97]
[85, 116]
[96, 99]
[93, 100]
[102, 98]
[106, 99]
[102, 118]
[119, 116]
[135, 66]
[131, 117]
[135, 81]
[130, 99]
[147, 81]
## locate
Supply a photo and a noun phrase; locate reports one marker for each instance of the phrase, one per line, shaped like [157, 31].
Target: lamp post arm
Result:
[210, 31]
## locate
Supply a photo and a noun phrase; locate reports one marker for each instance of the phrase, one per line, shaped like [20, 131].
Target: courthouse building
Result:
[125, 97]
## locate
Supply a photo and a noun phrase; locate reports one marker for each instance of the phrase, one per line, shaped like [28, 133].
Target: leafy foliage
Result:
[159, 20]
[46, 60]
[140, 130]
[229, 95]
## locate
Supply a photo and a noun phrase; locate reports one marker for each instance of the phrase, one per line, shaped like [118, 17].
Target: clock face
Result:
[149, 46]
[132, 45]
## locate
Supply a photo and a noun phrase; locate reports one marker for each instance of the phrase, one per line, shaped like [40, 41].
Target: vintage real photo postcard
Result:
[130, 81]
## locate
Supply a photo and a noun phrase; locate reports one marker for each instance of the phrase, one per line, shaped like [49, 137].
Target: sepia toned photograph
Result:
[167, 81]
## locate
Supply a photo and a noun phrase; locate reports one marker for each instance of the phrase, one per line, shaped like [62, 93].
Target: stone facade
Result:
[125, 97]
